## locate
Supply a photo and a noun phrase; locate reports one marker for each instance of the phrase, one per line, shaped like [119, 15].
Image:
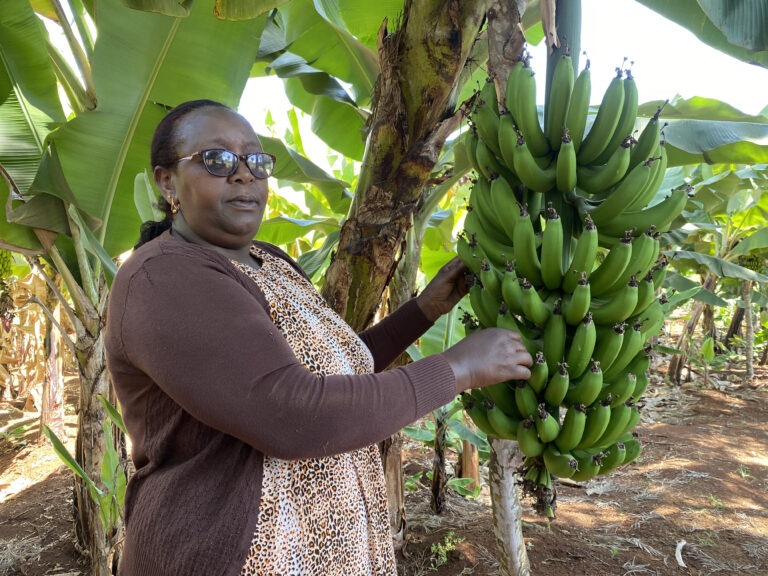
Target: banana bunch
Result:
[562, 236]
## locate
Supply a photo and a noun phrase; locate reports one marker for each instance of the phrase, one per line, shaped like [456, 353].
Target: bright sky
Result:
[668, 60]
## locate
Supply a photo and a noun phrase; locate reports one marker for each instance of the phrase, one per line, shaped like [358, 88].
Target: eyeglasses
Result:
[223, 163]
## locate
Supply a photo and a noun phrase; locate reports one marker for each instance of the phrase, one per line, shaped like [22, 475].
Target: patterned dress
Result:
[320, 516]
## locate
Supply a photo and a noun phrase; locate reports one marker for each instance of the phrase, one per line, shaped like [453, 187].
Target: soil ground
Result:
[694, 503]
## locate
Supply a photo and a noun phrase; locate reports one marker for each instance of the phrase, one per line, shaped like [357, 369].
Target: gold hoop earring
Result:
[175, 206]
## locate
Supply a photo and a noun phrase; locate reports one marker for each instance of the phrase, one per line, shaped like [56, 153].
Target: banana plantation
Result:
[624, 239]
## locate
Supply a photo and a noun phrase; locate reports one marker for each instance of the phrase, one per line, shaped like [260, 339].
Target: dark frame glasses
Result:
[223, 163]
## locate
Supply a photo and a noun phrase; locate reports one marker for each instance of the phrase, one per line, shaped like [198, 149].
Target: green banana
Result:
[511, 293]
[632, 421]
[498, 253]
[617, 198]
[631, 345]
[556, 111]
[555, 335]
[539, 373]
[547, 425]
[659, 169]
[527, 114]
[612, 266]
[525, 398]
[646, 294]
[552, 250]
[490, 279]
[483, 305]
[609, 345]
[597, 178]
[620, 389]
[589, 465]
[528, 169]
[648, 140]
[626, 124]
[514, 80]
[502, 424]
[507, 139]
[614, 457]
[583, 256]
[478, 412]
[471, 255]
[632, 450]
[642, 381]
[645, 250]
[505, 319]
[606, 119]
[528, 438]
[557, 387]
[534, 308]
[486, 119]
[566, 165]
[618, 307]
[576, 305]
[586, 389]
[653, 317]
[620, 416]
[481, 201]
[661, 214]
[572, 430]
[560, 464]
[598, 418]
[487, 161]
[581, 348]
[578, 109]
[526, 257]
[503, 396]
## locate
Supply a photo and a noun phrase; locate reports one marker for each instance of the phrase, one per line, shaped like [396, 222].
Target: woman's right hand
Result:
[487, 357]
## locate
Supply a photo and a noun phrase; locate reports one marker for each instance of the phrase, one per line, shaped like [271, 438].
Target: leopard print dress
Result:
[325, 516]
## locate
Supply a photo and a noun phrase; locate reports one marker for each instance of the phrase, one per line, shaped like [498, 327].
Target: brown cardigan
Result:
[208, 385]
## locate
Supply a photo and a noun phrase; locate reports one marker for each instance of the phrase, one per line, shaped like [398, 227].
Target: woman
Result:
[253, 410]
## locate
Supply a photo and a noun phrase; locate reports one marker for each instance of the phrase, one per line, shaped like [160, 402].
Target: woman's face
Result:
[220, 211]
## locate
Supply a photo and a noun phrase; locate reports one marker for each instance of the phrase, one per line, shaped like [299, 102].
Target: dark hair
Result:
[163, 153]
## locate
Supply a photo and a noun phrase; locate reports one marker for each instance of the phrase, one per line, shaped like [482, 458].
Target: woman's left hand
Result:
[444, 290]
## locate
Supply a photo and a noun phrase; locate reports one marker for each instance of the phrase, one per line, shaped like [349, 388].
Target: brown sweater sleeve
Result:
[203, 338]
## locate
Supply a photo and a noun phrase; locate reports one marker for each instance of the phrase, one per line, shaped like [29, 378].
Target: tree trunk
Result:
[52, 409]
[749, 331]
[99, 544]
[438, 463]
[469, 464]
[678, 361]
[734, 327]
[392, 461]
[507, 512]
[413, 114]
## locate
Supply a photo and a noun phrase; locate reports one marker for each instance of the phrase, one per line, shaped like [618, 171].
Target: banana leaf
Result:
[738, 28]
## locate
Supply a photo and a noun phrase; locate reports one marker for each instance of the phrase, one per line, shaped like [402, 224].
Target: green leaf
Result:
[755, 242]
[145, 198]
[468, 434]
[707, 349]
[420, 434]
[694, 290]
[16, 237]
[741, 37]
[113, 413]
[65, 456]
[24, 59]
[284, 230]
[314, 260]
[718, 266]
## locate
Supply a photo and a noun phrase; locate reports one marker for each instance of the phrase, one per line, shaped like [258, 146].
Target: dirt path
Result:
[698, 496]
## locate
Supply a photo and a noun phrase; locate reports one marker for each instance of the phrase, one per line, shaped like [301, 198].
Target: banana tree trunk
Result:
[102, 546]
[412, 116]
[749, 330]
[734, 327]
[507, 512]
[676, 364]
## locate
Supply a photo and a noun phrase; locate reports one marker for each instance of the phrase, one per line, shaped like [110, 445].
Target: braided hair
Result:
[163, 153]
